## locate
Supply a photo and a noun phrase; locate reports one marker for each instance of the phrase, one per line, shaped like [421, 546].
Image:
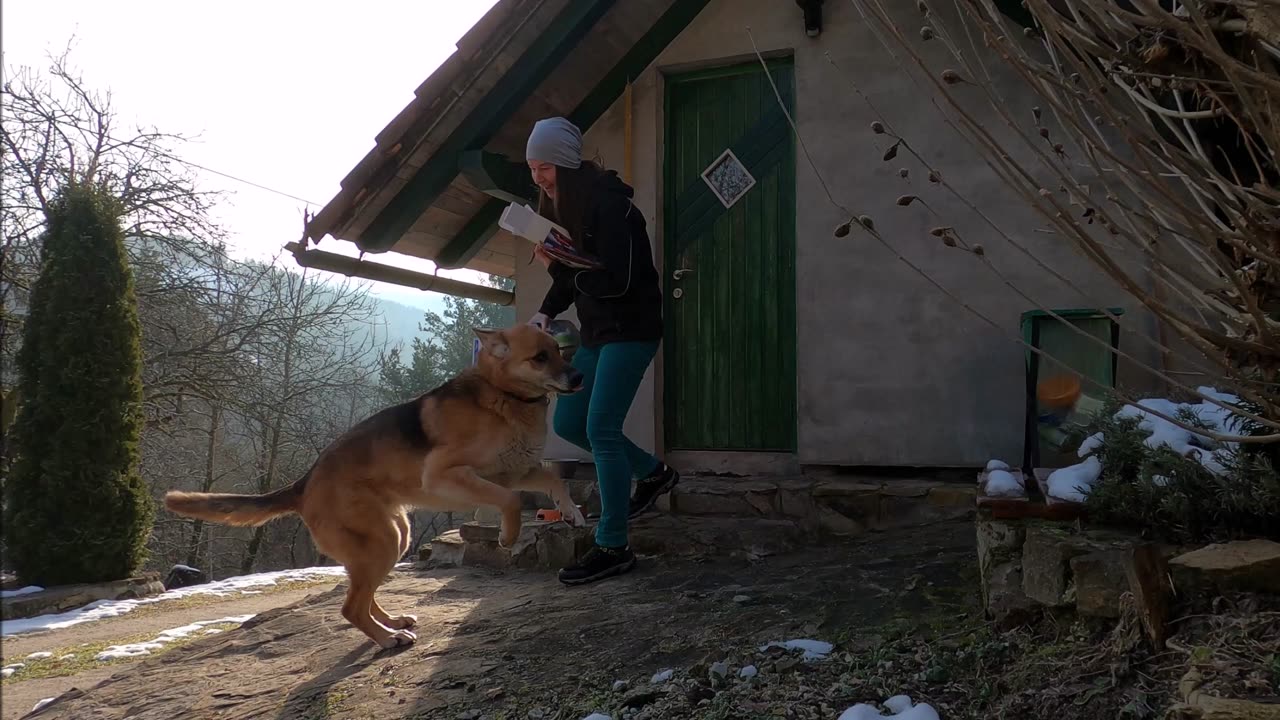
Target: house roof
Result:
[441, 171]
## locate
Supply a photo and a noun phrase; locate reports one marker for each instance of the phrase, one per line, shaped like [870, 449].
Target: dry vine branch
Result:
[867, 225]
[1119, 83]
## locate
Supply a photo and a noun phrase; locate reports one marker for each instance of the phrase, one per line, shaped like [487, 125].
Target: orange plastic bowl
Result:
[1058, 392]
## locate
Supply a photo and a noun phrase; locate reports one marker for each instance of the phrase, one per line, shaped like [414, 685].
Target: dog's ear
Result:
[493, 342]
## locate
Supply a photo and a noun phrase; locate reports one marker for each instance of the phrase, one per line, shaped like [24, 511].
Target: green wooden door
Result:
[729, 366]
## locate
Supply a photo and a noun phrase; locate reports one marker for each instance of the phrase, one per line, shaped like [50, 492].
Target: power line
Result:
[184, 161]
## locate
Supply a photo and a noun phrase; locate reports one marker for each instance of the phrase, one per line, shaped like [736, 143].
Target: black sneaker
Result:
[649, 489]
[598, 564]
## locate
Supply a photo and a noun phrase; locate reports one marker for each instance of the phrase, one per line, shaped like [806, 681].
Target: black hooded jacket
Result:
[622, 301]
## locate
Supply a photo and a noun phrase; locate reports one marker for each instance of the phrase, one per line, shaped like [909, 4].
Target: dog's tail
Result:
[239, 510]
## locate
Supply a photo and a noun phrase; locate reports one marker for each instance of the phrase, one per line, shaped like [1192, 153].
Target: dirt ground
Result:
[505, 645]
[19, 696]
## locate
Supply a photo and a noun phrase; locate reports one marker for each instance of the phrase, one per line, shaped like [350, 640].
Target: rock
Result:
[998, 543]
[662, 676]
[1100, 579]
[1046, 558]
[784, 664]
[1006, 603]
[1148, 579]
[741, 599]
[181, 576]
[640, 697]
[424, 553]
[719, 670]
[1241, 566]
[447, 549]
[748, 672]
[619, 685]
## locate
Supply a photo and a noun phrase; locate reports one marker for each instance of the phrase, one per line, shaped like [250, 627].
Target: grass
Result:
[85, 655]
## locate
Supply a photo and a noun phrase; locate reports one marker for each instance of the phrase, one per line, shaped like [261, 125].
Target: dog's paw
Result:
[400, 622]
[400, 638]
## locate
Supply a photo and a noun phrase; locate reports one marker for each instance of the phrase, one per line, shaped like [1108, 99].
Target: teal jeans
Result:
[592, 419]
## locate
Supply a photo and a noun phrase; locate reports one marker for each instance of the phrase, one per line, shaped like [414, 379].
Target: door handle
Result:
[680, 273]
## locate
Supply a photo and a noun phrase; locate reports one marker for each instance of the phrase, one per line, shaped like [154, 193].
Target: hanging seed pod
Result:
[935, 176]
[978, 250]
[892, 152]
[1075, 78]
[1028, 33]
[922, 7]
[940, 231]
[948, 241]
[904, 173]
[866, 222]
[877, 127]
[926, 33]
[842, 230]
[905, 200]
[1044, 132]
[1059, 150]
[1035, 112]
[951, 77]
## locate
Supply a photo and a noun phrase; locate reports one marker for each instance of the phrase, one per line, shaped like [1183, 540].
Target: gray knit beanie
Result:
[556, 141]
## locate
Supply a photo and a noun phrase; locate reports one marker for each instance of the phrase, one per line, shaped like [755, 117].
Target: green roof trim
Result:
[546, 52]
[665, 29]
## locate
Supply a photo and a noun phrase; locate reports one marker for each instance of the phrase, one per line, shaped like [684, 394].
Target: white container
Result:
[525, 222]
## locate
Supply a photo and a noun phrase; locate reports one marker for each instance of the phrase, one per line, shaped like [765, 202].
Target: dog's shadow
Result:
[312, 698]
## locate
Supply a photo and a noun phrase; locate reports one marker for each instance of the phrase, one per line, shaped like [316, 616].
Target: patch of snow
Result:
[1090, 444]
[813, 649]
[597, 716]
[103, 609]
[8, 670]
[21, 591]
[116, 652]
[1159, 481]
[1002, 483]
[1162, 433]
[997, 465]
[68, 656]
[185, 568]
[40, 655]
[1074, 482]
[41, 703]
[662, 677]
[900, 706]
[748, 672]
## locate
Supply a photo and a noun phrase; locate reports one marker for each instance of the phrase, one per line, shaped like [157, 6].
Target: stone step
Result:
[550, 546]
[839, 507]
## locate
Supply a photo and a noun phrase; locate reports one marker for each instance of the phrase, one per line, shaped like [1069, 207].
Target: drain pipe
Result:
[351, 267]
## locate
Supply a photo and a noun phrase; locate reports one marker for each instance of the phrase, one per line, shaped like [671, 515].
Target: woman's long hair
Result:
[573, 194]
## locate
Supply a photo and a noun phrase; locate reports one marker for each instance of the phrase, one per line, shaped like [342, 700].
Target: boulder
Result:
[1239, 566]
[181, 576]
[1100, 579]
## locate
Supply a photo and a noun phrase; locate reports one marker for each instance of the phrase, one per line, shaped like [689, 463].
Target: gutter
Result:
[368, 270]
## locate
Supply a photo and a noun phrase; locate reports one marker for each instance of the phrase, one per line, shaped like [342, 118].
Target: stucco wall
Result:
[891, 371]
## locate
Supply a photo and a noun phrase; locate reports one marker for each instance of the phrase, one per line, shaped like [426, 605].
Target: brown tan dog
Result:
[473, 441]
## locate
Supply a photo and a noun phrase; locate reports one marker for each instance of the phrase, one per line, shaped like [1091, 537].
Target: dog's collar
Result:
[540, 400]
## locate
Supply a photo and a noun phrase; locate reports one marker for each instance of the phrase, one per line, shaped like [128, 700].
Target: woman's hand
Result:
[542, 256]
[540, 321]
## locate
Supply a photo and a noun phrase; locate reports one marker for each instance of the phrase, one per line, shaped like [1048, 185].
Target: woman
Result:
[620, 311]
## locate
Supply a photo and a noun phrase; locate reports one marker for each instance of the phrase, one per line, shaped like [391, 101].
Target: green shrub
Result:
[1175, 498]
[76, 508]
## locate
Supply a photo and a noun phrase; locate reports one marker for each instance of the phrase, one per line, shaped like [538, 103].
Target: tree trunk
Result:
[196, 539]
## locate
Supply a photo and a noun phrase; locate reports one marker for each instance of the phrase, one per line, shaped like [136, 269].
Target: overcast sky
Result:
[283, 93]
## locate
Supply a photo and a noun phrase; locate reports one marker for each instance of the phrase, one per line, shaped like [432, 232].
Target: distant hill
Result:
[402, 321]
